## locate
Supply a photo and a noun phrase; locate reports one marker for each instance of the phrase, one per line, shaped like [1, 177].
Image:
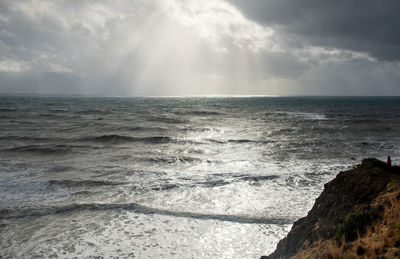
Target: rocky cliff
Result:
[361, 205]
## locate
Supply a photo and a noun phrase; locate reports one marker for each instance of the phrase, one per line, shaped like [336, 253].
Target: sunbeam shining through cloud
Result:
[173, 47]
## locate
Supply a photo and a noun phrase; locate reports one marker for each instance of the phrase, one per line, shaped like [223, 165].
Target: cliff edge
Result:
[357, 214]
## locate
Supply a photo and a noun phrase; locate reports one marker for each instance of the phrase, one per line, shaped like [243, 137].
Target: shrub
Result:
[353, 225]
[398, 231]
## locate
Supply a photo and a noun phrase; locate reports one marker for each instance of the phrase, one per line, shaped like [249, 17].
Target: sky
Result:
[200, 47]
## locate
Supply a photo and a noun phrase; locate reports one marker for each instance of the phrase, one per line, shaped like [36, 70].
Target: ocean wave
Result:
[27, 138]
[43, 149]
[283, 131]
[24, 122]
[8, 109]
[217, 141]
[365, 120]
[59, 110]
[186, 150]
[307, 115]
[165, 187]
[82, 183]
[375, 145]
[214, 183]
[93, 112]
[173, 159]
[108, 138]
[169, 120]
[240, 141]
[259, 178]
[61, 168]
[140, 128]
[316, 174]
[246, 177]
[244, 141]
[115, 138]
[202, 113]
[18, 212]
[55, 115]
[121, 138]
[199, 129]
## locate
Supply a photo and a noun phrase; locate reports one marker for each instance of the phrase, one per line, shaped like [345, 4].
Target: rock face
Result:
[357, 187]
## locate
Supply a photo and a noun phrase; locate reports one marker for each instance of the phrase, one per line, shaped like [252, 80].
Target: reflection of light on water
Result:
[129, 234]
[206, 134]
[207, 182]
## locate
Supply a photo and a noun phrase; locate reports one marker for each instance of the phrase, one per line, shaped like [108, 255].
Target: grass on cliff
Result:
[353, 226]
[380, 238]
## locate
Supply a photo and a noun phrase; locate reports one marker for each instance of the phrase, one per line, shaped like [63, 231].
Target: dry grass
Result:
[381, 236]
[379, 240]
[334, 251]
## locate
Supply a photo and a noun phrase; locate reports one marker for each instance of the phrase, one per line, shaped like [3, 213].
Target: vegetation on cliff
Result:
[356, 216]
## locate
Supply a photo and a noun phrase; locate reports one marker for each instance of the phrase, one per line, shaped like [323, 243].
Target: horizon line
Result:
[183, 96]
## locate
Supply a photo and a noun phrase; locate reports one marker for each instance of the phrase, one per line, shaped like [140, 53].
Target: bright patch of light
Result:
[13, 66]
[219, 23]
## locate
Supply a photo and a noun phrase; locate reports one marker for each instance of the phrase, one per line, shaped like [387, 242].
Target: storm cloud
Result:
[358, 25]
[207, 47]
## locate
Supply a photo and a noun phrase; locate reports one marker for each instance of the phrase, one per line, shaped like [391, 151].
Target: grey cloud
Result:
[352, 78]
[69, 47]
[136, 47]
[46, 83]
[359, 25]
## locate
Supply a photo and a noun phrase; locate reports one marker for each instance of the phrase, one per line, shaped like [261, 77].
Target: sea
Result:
[175, 177]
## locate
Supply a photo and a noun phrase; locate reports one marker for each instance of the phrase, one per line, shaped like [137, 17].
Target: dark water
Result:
[175, 177]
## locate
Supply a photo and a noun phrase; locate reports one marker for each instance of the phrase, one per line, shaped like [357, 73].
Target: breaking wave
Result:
[137, 208]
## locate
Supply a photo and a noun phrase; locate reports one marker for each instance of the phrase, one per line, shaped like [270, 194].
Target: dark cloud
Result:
[359, 25]
[174, 47]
